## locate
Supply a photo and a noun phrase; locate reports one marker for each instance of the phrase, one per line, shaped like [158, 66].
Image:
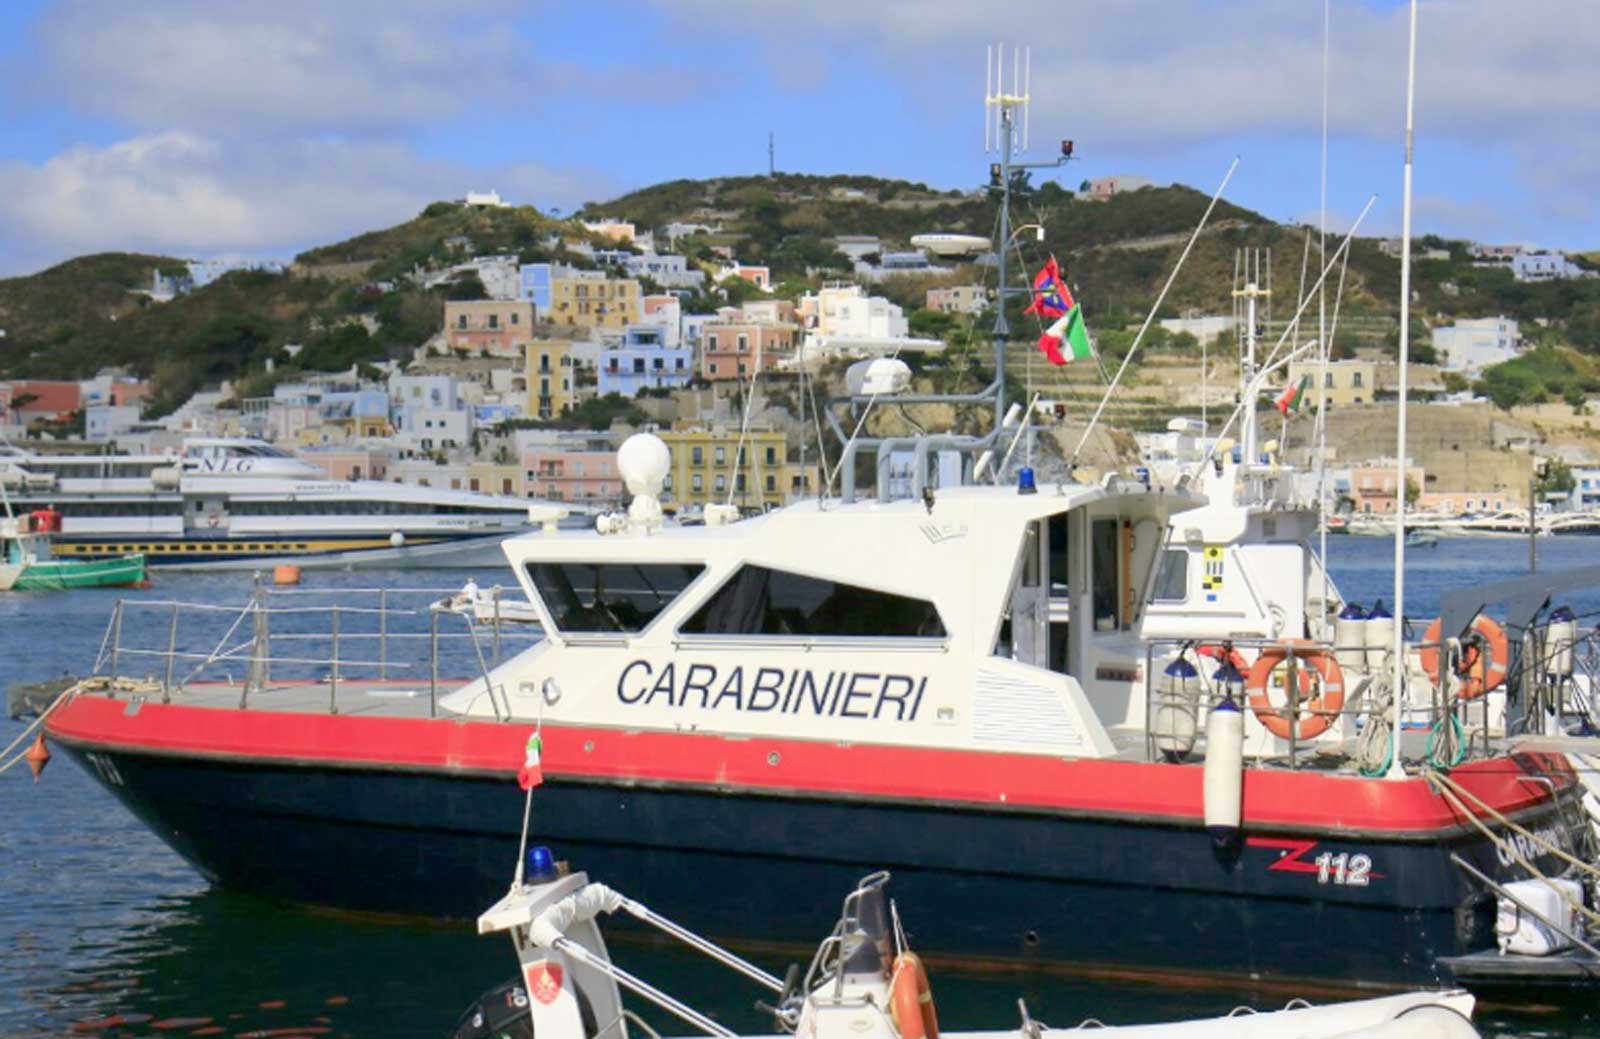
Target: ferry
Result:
[238, 502]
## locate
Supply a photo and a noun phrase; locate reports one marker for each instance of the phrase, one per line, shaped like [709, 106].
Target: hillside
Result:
[84, 314]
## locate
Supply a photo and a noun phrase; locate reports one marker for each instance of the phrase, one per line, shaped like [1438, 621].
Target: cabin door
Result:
[208, 513]
[1030, 601]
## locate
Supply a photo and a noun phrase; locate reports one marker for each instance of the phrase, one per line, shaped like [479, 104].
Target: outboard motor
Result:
[500, 1013]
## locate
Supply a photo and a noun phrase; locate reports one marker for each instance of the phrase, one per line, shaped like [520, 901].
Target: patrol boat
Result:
[967, 684]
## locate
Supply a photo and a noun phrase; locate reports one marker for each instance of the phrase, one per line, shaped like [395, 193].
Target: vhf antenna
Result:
[1002, 133]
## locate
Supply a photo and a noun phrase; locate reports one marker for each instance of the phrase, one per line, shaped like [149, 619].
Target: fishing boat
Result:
[863, 980]
[27, 563]
[241, 503]
[1056, 709]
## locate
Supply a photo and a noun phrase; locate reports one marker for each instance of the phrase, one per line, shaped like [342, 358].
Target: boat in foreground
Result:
[863, 982]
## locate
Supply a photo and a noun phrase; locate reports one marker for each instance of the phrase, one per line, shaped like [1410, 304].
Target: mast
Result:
[1004, 140]
[1396, 771]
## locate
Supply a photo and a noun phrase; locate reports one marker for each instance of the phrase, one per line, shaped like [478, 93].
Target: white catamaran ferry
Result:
[244, 502]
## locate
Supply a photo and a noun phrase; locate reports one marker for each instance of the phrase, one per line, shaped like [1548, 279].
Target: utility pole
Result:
[772, 163]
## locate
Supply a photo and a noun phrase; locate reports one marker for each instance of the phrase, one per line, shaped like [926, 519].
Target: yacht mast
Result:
[1396, 771]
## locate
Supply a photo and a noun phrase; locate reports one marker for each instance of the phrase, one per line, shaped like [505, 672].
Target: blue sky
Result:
[217, 128]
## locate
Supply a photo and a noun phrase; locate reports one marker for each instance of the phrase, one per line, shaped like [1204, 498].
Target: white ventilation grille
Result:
[1013, 710]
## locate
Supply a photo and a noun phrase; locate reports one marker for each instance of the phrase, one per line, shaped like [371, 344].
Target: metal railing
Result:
[365, 635]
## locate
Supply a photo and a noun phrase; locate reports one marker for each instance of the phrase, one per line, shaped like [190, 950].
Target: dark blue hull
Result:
[1125, 894]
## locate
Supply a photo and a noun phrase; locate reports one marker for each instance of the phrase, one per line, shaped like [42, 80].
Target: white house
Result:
[1471, 346]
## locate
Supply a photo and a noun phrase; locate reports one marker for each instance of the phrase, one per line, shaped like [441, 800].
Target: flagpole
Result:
[1396, 770]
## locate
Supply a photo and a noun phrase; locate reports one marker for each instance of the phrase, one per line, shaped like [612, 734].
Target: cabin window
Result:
[609, 597]
[1103, 563]
[1172, 579]
[761, 601]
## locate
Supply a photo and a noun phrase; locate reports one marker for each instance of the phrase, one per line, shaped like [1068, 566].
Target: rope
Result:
[1377, 731]
[1456, 741]
[1450, 790]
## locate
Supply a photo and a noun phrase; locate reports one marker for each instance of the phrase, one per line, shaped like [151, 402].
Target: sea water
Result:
[104, 930]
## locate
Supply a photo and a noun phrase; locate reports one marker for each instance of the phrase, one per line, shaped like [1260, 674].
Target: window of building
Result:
[515, 317]
[697, 455]
[738, 483]
[772, 456]
[1327, 380]
[772, 483]
[609, 597]
[713, 367]
[1172, 579]
[657, 365]
[722, 456]
[494, 320]
[744, 343]
[697, 482]
[722, 483]
[760, 601]
[1355, 379]
[638, 365]
[711, 342]
[461, 321]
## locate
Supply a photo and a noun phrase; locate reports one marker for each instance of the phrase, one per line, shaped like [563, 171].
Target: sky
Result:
[229, 128]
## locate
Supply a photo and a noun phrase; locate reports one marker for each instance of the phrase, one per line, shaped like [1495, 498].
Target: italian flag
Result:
[1293, 395]
[1069, 330]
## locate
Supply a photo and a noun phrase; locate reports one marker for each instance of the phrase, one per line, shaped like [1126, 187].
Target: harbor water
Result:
[104, 930]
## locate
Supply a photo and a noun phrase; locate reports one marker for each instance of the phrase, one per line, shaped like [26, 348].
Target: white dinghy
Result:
[862, 983]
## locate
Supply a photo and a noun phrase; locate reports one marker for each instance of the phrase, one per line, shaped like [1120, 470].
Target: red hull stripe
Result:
[1024, 782]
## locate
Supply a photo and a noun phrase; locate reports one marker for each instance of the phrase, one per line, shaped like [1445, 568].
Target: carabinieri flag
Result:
[1068, 328]
[1050, 296]
[1293, 395]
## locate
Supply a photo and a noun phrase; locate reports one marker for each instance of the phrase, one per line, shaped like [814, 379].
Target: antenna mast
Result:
[1004, 139]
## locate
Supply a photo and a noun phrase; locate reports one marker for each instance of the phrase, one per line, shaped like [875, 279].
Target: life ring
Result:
[1319, 709]
[1477, 674]
[1231, 656]
[910, 999]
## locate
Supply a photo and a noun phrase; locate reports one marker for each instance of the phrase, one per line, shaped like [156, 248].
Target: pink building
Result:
[1457, 503]
[349, 463]
[499, 327]
[1372, 487]
[736, 349]
[563, 475]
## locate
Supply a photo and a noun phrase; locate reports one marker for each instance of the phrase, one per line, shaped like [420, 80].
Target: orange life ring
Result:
[1319, 709]
[910, 999]
[1232, 656]
[1478, 675]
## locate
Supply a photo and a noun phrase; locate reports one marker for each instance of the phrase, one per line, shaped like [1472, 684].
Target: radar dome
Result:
[643, 460]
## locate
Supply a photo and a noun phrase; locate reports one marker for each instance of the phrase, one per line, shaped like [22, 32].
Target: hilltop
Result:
[350, 301]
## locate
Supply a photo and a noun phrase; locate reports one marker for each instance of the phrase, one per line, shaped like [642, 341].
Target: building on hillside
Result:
[767, 311]
[667, 270]
[1585, 494]
[1344, 384]
[1103, 189]
[1471, 346]
[958, 299]
[841, 320]
[756, 274]
[735, 349]
[683, 229]
[1543, 266]
[25, 401]
[549, 375]
[1206, 328]
[484, 200]
[500, 328]
[666, 313]
[504, 478]
[643, 360]
[611, 227]
[708, 466]
[1372, 485]
[1497, 253]
[348, 463]
[106, 421]
[499, 275]
[564, 473]
[112, 386]
[431, 430]
[588, 299]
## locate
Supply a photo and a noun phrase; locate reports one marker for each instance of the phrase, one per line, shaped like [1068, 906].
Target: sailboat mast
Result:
[1396, 771]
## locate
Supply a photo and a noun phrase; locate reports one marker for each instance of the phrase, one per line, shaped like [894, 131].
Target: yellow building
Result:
[344, 430]
[1347, 383]
[591, 300]
[707, 467]
[549, 374]
[495, 478]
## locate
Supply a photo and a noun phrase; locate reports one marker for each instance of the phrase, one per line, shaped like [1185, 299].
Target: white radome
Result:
[644, 461]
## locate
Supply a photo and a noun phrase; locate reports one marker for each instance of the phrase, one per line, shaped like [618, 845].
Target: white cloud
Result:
[184, 193]
[200, 64]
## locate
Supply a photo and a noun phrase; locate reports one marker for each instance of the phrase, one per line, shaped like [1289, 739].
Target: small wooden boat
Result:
[26, 562]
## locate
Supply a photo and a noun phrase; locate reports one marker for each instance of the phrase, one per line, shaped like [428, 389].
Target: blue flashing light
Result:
[1561, 614]
[541, 863]
[1025, 484]
[1181, 668]
[1379, 612]
[1352, 612]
